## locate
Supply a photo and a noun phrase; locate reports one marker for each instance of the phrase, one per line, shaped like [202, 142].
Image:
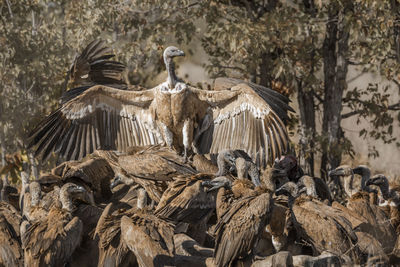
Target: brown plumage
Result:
[316, 187]
[187, 199]
[154, 167]
[155, 163]
[93, 172]
[203, 165]
[87, 252]
[32, 209]
[52, 241]
[238, 228]
[360, 205]
[112, 250]
[319, 225]
[11, 253]
[149, 238]
[103, 117]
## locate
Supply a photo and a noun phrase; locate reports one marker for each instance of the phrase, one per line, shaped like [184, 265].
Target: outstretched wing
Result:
[243, 116]
[93, 66]
[100, 118]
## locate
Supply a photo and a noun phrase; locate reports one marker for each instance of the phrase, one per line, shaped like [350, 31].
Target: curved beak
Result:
[336, 172]
[282, 191]
[216, 183]
[370, 182]
[116, 181]
[181, 53]
[80, 189]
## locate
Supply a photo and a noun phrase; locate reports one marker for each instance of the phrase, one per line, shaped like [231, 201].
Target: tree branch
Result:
[9, 8]
[355, 112]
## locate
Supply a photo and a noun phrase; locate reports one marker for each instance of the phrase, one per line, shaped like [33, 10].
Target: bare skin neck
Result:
[170, 65]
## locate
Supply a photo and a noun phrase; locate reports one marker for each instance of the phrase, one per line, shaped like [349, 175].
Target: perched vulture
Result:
[150, 238]
[187, 199]
[51, 241]
[239, 228]
[241, 115]
[112, 250]
[10, 246]
[318, 224]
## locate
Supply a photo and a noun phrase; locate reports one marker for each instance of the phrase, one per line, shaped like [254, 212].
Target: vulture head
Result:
[116, 181]
[217, 183]
[378, 180]
[288, 167]
[66, 193]
[343, 170]
[171, 52]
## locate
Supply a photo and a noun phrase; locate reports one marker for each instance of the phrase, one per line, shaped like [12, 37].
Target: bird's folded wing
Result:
[242, 119]
[100, 118]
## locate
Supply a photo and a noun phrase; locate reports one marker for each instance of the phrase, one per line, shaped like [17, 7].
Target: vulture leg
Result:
[168, 135]
[187, 134]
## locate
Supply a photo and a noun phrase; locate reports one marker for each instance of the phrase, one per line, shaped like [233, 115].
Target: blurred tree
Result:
[308, 45]
[305, 46]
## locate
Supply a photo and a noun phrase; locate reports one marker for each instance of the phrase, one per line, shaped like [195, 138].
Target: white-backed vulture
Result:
[52, 241]
[391, 196]
[94, 173]
[287, 167]
[86, 254]
[33, 211]
[240, 162]
[188, 200]
[318, 224]
[239, 227]
[149, 238]
[346, 179]
[243, 116]
[361, 205]
[11, 253]
[112, 250]
[153, 167]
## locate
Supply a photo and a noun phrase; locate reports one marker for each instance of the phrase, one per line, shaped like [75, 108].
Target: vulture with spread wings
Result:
[235, 115]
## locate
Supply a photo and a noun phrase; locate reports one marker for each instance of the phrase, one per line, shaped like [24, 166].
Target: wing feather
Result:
[244, 119]
[99, 118]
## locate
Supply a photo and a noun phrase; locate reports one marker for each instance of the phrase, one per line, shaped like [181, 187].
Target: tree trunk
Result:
[305, 99]
[335, 49]
[3, 153]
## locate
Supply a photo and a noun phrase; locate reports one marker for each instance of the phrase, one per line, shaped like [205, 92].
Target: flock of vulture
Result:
[179, 176]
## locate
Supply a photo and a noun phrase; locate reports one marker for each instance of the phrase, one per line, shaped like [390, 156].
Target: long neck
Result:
[385, 190]
[66, 201]
[348, 180]
[365, 176]
[172, 79]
